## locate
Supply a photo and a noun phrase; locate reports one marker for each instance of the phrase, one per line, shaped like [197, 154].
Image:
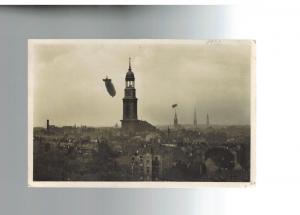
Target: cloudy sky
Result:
[211, 76]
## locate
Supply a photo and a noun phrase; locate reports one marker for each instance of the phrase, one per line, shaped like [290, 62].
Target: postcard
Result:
[141, 113]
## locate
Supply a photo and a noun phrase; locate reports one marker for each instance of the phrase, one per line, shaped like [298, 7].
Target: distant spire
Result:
[175, 119]
[195, 118]
[129, 63]
[207, 120]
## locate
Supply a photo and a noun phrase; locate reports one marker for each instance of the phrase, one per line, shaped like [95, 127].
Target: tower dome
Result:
[129, 74]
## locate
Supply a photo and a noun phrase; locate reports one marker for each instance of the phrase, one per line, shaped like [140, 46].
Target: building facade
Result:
[146, 167]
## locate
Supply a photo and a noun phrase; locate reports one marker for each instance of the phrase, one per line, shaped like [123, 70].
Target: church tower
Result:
[129, 100]
[175, 120]
[195, 118]
[130, 122]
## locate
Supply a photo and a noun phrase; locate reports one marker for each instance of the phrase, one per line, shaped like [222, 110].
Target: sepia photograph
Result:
[141, 113]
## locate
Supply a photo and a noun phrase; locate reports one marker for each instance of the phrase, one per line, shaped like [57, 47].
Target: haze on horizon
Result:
[211, 76]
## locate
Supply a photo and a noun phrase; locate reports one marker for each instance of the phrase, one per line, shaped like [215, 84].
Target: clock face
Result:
[130, 93]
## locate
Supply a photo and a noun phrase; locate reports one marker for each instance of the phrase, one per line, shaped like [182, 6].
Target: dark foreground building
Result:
[130, 122]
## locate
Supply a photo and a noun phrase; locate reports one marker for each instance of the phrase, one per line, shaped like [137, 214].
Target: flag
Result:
[174, 105]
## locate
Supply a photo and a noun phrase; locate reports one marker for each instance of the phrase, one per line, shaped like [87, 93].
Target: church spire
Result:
[207, 120]
[175, 120]
[129, 69]
[195, 118]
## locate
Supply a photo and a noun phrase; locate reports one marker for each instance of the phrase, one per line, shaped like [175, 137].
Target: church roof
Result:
[129, 76]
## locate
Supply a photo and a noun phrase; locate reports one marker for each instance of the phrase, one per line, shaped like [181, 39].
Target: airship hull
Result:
[109, 87]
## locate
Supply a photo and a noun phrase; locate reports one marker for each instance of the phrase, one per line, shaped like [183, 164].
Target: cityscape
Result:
[137, 150]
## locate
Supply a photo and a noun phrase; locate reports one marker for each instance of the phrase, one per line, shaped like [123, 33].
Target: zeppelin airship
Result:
[109, 87]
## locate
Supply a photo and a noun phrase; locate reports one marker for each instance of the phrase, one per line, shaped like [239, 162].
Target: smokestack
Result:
[48, 125]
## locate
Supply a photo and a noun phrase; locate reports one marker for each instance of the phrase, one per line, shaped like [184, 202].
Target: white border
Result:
[163, 184]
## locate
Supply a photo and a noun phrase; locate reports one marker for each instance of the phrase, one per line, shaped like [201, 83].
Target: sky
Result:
[212, 77]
